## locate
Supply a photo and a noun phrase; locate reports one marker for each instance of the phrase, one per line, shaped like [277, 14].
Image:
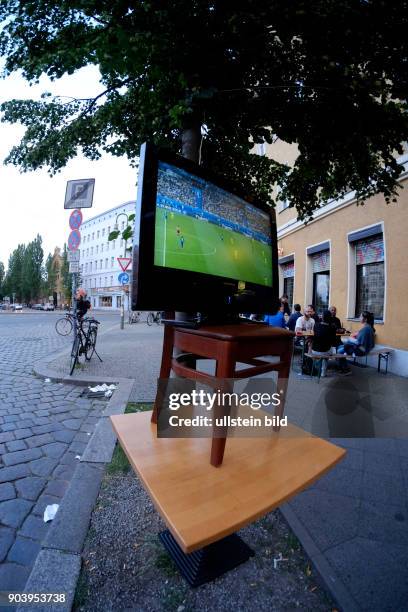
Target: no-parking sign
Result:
[74, 240]
[75, 219]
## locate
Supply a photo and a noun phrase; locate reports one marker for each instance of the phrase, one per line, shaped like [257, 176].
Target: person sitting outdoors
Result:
[336, 324]
[313, 313]
[305, 324]
[324, 339]
[361, 343]
[278, 319]
[82, 305]
[294, 317]
[285, 302]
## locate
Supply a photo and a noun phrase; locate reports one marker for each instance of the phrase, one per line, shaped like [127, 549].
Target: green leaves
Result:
[329, 77]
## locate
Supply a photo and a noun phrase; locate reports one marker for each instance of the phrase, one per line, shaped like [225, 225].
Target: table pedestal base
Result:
[210, 562]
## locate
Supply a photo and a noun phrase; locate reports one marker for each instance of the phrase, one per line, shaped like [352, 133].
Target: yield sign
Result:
[124, 262]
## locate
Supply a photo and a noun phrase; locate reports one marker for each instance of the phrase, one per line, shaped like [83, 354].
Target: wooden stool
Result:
[227, 345]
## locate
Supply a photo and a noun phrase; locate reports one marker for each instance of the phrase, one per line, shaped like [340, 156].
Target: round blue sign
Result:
[123, 278]
[75, 219]
[74, 240]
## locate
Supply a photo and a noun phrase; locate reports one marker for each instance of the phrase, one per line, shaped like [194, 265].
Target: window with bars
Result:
[288, 283]
[370, 289]
[370, 281]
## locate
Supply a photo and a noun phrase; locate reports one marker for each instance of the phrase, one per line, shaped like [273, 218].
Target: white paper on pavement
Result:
[50, 512]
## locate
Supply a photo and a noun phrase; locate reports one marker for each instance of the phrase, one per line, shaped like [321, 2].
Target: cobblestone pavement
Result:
[44, 428]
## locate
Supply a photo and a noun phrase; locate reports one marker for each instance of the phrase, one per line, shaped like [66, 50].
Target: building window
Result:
[112, 261]
[106, 262]
[86, 267]
[288, 273]
[93, 235]
[113, 244]
[97, 248]
[97, 234]
[103, 231]
[106, 281]
[102, 248]
[100, 264]
[370, 283]
[96, 264]
[321, 280]
[91, 250]
[111, 283]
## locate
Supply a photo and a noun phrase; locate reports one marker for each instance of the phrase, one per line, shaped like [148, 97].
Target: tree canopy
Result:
[329, 76]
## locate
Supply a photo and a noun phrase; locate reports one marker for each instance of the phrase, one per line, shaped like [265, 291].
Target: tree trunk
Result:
[190, 142]
[190, 149]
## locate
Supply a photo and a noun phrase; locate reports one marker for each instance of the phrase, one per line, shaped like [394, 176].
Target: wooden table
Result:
[201, 505]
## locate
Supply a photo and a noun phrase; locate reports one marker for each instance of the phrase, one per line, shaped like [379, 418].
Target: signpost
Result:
[78, 194]
[124, 262]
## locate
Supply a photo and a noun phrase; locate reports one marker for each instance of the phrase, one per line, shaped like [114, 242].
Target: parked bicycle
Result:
[65, 324]
[134, 317]
[154, 318]
[84, 343]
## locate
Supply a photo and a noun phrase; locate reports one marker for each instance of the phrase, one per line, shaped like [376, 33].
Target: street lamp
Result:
[122, 306]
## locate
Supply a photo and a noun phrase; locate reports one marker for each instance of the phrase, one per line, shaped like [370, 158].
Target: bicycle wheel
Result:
[150, 318]
[90, 344]
[63, 326]
[74, 354]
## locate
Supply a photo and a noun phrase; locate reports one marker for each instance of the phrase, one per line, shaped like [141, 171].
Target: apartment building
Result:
[98, 257]
[351, 256]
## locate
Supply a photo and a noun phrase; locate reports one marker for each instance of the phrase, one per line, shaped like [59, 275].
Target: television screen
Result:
[203, 228]
[198, 244]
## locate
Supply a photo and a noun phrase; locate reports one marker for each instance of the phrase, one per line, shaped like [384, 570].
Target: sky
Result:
[32, 203]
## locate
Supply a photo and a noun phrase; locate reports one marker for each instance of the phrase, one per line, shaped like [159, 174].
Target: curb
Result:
[58, 564]
[330, 581]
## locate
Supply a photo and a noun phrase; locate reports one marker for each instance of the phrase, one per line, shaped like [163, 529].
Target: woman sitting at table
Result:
[324, 339]
[360, 343]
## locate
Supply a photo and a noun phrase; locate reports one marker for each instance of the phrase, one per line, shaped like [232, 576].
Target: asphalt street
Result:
[44, 428]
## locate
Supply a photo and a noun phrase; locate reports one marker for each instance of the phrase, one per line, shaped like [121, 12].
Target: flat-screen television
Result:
[198, 245]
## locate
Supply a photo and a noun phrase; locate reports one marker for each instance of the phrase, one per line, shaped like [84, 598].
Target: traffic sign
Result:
[124, 262]
[74, 240]
[79, 193]
[73, 255]
[75, 219]
[123, 278]
[74, 267]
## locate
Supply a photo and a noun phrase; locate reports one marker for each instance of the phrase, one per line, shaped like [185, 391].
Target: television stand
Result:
[228, 345]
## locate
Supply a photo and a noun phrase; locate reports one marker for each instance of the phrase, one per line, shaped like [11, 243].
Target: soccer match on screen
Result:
[202, 228]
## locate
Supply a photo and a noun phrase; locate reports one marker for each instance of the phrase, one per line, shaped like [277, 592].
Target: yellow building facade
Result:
[351, 256]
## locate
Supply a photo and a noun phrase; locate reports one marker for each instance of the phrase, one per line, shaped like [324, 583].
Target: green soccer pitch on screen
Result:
[202, 228]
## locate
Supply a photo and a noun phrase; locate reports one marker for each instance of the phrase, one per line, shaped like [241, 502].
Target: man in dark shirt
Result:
[313, 313]
[324, 339]
[336, 324]
[294, 317]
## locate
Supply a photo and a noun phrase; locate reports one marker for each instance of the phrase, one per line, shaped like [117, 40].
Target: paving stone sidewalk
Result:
[44, 429]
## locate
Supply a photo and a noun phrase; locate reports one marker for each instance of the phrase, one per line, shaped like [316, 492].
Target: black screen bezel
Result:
[159, 288]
